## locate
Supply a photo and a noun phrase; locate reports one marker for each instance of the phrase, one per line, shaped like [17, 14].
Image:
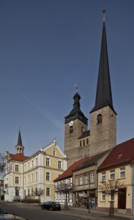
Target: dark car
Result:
[51, 205]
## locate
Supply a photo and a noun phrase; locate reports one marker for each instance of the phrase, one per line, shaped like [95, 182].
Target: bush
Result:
[30, 200]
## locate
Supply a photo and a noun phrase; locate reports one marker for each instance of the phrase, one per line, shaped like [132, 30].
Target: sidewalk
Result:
[93, 215]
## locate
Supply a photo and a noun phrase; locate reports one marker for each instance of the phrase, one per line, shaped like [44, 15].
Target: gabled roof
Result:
[121, 154]
[69, 172]
[84, 134]
[18, 157]
[51, 145]
[91, 160]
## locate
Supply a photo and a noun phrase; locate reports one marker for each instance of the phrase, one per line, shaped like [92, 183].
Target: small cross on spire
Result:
[76, 86]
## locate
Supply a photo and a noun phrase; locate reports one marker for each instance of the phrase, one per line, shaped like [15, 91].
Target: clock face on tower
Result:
[71, 123]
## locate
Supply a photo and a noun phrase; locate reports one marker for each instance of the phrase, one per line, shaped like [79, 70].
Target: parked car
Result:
[51, 205]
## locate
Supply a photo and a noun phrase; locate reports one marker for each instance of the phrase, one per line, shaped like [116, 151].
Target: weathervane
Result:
[76, 86]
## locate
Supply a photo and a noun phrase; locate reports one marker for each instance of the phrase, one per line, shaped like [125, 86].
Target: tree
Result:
[2, 164]
[64, 187]
[66, 190]
[110, 188]
[40, 192]
[2, 158]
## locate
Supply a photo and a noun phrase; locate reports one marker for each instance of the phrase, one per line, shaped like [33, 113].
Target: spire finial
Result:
[76, 86]
[104, 17]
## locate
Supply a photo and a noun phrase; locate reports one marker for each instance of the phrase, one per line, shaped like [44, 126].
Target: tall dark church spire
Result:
[104, 92]
[19, 139]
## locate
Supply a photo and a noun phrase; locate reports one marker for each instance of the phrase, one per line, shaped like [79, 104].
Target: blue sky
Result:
[46, 46]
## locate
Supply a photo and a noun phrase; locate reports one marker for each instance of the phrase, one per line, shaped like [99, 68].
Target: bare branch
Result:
[111, 185]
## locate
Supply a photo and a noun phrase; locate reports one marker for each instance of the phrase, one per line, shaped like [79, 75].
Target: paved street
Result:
[34, 212]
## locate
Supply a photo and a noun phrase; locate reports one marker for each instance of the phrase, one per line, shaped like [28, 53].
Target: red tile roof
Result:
[121, 154]
[18, 157]
[69, 172]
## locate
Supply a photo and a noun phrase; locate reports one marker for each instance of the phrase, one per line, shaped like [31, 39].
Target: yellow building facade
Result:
[32, 177]
[116, 179]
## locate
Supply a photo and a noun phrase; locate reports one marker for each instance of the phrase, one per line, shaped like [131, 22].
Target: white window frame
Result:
[81, 180]
[54, 153]
[36, 161]
[16, 166]
[47, 162]
[86, 178]
[59, 163]
[47, 176]
[112, 174]
[92, 177]
[122, 172]
[32, 177]
[103, 176]
[103, 196]
[17, 180]
[28, 178]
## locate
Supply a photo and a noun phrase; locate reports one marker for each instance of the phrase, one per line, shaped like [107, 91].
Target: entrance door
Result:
[122, 198]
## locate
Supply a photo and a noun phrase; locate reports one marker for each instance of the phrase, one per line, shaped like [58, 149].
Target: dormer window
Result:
[99, 119]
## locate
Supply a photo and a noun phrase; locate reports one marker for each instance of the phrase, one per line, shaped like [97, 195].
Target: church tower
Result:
[75, 125]
[19, 147]
[80, 142]
[103, 115]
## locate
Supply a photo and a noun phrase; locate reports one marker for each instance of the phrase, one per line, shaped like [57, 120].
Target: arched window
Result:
[71, 129]
[99, 119]
[82, 129]
[83, 142]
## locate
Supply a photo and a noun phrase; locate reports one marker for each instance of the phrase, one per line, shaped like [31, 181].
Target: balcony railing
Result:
[63, 187]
